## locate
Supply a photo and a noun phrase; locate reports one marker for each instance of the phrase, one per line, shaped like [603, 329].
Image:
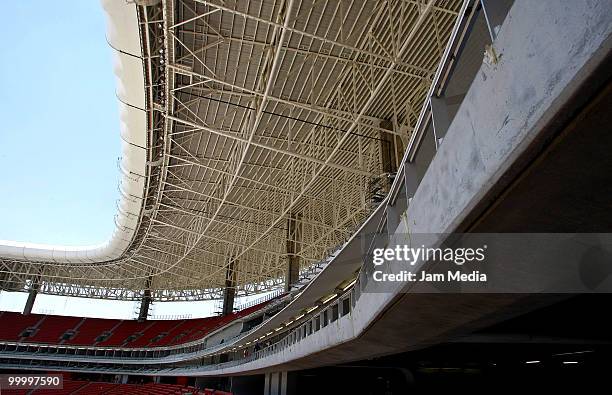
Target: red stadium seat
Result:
[121, 333]
[90, 330]
[52, 329]
[18, 324]
[70, 387]
[155, 330]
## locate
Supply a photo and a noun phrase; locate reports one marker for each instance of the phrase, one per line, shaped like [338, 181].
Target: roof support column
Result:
[440, 118]
[391, 148]
[146, 300]
[294, 243]
[32, 293]
[229, 293]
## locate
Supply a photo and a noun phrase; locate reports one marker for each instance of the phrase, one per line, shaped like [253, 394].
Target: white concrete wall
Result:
[226, 334]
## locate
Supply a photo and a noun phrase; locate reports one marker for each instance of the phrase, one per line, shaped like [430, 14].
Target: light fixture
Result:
[328, 298]
[573, 352]
[350, 284]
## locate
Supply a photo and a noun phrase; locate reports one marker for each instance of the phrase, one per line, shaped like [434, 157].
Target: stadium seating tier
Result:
[78, 331]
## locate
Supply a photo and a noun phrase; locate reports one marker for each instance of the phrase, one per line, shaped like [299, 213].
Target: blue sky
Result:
[82, 307]
[59, 134]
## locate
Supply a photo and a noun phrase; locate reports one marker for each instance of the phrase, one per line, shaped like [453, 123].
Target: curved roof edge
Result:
[124, 36]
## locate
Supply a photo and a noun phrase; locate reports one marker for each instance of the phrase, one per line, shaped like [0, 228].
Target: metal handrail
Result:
[257, 301]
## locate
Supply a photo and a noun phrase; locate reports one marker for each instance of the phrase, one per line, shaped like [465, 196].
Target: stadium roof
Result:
[238, 118]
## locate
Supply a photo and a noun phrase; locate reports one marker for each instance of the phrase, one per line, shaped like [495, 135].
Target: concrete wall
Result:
[542, 46]
[226, 334]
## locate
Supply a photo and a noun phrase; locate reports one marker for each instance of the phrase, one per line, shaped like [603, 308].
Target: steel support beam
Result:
[146, 300]
[229, 292]
[388, 155]
[423, 13]
[294, 243]
[32, 293]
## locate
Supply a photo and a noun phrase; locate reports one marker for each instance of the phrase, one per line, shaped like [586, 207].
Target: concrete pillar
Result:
[280, 383]
[229, 293]
[267, 378]
[288, 383]
[294, 243]
[146, 300]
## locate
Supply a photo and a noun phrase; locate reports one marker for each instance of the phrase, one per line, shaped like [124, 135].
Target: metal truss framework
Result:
[258, 112]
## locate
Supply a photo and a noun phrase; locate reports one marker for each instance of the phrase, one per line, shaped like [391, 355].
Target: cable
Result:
[121, 51]
[128, 104]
